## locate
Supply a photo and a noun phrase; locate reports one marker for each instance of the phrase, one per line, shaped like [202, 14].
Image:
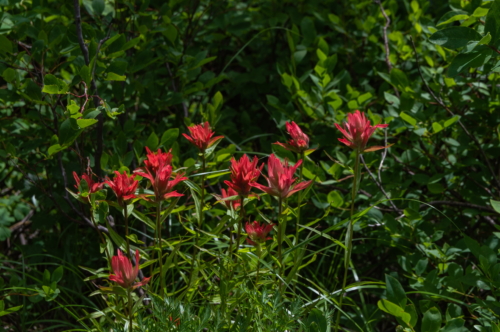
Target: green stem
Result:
[240, 223]
[280, 239]
[130, 315]
[259, 254]
[125, 215]
[160, 246]
[299, 199]
[349, 235]
[200, 217]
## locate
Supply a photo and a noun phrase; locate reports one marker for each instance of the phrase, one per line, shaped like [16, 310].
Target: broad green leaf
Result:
[495, 205]
[84, 123]
[454, 325]
[152, 141]
[431, 321]
[58, 273]
[55, 148]
[454, 37]
[492, 24]
[408, 118]
[436, 127]
[452, 16]
[394, 310]
[394, 291]
[479, 56]
[9, 74]
[115, 77]
[98, 6]
[410, 309]
[5, 44]
[335, 199]
[169, 137]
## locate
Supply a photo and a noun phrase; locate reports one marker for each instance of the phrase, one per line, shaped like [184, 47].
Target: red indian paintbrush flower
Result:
[124, 186]
[281, 181]
[257, 233]
[162, 182]
[156, 160]
[243, 173]
[228, 203]
[357, 131]
[93, 186]
[124, 274]
[201, 136]
[299, 142]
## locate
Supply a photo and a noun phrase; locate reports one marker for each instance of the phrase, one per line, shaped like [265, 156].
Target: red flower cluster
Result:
[299, 142]
[235, 203]
[158, 171]
[93, 186]
[243, 173]
[281, 179]
[124, 186]
[201, 136]
[257, 233]
[357, 130]
[124, 274]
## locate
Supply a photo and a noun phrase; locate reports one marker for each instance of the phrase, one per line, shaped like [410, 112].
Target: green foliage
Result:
[425, 249]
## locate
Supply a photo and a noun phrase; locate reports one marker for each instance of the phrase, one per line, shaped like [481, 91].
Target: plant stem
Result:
[280, 239]
[299, 199]
[349, 234]
[130, 315]
[259, 254]
[160, 246]
[125, 215]
[240, 223]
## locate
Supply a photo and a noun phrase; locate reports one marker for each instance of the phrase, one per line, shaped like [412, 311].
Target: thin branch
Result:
[379, 185]
[462, 204]
[443, 105]
[100, 118]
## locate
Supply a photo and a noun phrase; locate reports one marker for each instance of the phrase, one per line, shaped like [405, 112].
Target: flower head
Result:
[156, 160]
[93, 186]
[257, 233]
[201, 136]
[162, 182]
[281, 179]
[357, 131]
[226, 194]
[243, 173]
[124, 186]
[299, 141]
[124, 274]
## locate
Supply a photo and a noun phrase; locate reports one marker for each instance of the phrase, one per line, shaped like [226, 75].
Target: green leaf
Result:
[436, 188]
[495, 205]
[436, 127]
[476, 58]
[85, 75]
[98, 6]
[399, 79]
[454, 325]
[451, 121]
[432, 320]
[452, 16]
[57, 274]
[55, 148]
[408, 118]
[9, 75]
[394, 291]
[335, 199]
[84, 123]
[115, 77]
[454, 37]
[410, 309]
[131, 43]
[152, 141]
[394, 310]
[53, 85]
[171, 33]
[5, 44]
[10, 310]
[316, 321]
[492, 24]
[169, 137]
